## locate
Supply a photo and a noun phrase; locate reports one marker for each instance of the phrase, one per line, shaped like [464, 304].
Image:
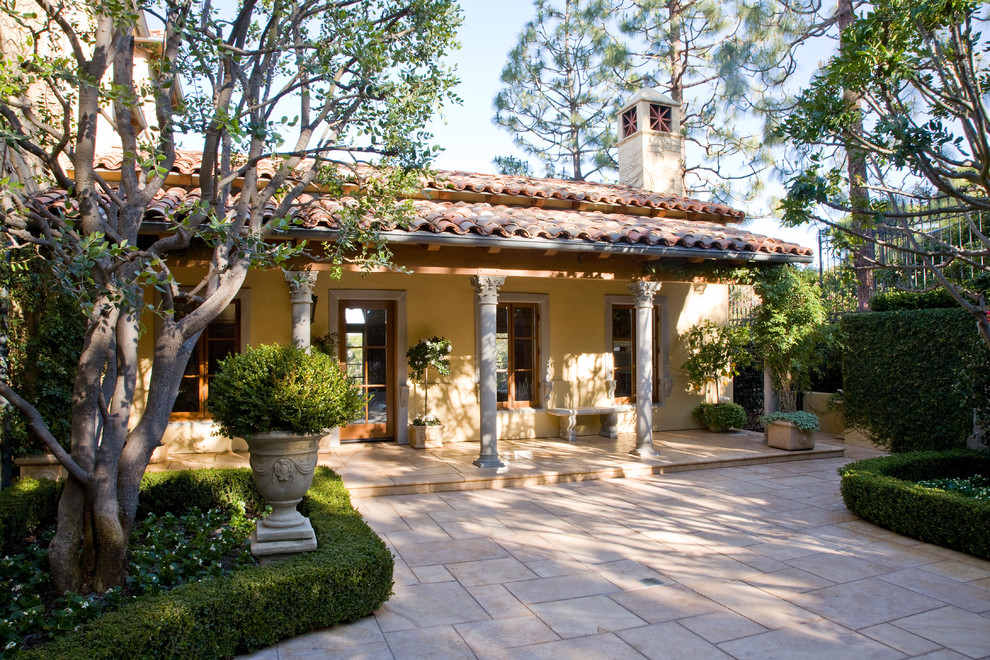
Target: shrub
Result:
[893, 301]
[26, 507]
[883, 491]
[347, 577]
[720, 416]
[901, 374]
[805, 421]
[282, 388]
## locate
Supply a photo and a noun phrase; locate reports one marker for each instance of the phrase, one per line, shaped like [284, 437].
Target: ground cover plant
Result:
[887, 492]
[347, 577]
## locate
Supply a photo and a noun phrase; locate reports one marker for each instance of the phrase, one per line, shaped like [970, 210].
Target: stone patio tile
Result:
[629, 574]
[960, 570]
[429, 644]
[721, 626]
[556, 567]
[670, 640]
[270, 653]
[447, 552]
[753, 603]
[490, 571]
[541, 590]
[759, 562]
[819, 640]
[590, 615]
[838, 566]
[952, 627]
[897, 555]
[841, 535]
[942, 654]
[415, 536]
[466, 529]
[427, 574]
[584, 548]
[425, 605]
[498, 602]
[900, 639]
[529, 546]
[364, 633]
[864, 603]
[505, 633]
[665, 603]
[947, 590]
[788, 581]
[596, 647]
[795, 546]
[372, 651]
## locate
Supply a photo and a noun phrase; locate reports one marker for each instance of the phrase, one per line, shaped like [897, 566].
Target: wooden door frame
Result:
[400, 381]
[373, 430]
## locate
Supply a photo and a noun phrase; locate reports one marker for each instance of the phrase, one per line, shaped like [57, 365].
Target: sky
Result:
[470, 138]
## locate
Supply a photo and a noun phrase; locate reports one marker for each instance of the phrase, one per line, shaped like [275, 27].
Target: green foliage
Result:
[715, 352]
[977, 486]
[281, 388]
[788, 328]
[884, 491]
[347, 577]
[900, 375]
[25, 508]
[426, 354]
[720, 416]
[892, 301]
[45, 338]
[805, 421]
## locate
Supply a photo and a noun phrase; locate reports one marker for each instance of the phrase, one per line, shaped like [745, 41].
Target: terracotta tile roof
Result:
[516, 222]
[189, 163]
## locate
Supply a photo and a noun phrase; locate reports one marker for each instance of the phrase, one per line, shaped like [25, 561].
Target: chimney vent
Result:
[651, 148]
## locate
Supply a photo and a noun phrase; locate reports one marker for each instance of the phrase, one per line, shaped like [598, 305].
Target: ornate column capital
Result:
[487, 287]
[301, 283]
[644, 291]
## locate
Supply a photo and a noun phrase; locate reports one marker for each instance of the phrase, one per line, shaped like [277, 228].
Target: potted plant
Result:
[433, 353]
[720, 417]
[282, 400]
[790, 430]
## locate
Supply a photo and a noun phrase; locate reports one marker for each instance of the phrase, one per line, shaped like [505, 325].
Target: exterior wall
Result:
[574, 352]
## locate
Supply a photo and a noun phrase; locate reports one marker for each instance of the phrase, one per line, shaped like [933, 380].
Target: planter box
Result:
[44, 466]
[426, 437]
[784, 435]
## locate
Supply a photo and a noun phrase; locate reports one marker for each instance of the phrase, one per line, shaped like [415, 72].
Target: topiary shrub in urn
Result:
[426, 354]
[282, 400]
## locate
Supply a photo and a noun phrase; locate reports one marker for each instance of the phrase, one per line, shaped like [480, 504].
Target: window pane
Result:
[377, 366]
[502, 386]
[622, 324]
[377, 405]
[376, 330]
[623, 384]
[502, 352]
[522, 354]
[221, 330]
[218, 349]
[188, 399]
[502, 319]
[353, 338]
[524, 321]
[524, 385]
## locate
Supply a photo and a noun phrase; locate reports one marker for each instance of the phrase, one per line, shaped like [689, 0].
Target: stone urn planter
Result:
[426, 437]
[785, 435]
[282, 400]
[283, 466]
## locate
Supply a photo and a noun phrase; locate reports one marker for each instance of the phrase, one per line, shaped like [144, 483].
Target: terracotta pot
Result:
[283, 466]
[426, 437]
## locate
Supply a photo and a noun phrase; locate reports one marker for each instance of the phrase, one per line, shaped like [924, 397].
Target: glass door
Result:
[367, 350]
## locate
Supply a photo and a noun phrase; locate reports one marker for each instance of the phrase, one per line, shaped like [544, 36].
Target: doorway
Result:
[366, 345]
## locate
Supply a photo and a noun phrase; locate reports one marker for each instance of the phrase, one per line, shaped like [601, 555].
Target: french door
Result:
[366, 339]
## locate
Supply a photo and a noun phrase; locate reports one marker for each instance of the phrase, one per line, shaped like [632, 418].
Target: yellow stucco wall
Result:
[441, 304]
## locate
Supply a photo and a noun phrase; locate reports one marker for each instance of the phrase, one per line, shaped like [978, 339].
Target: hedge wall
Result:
[900, 375]
[882, 490]
[346, 578]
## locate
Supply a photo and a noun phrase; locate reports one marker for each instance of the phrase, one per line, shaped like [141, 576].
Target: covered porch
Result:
[383, 468]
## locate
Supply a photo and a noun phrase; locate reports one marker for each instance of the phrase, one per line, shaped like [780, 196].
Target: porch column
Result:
[644, 292]
[487, 287]
[301, 283]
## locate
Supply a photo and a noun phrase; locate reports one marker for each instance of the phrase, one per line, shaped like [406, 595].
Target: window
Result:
[623, 348]
[516, 350]
[659, 118]
[629, 122]
[221, 338]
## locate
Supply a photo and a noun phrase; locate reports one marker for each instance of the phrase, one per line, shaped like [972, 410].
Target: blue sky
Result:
[469, 137]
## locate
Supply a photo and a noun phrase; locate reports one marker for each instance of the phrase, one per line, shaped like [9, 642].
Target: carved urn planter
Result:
[283, 466]
[426, 437]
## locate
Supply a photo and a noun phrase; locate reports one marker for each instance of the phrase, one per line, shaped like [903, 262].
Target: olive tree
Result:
[280, 97]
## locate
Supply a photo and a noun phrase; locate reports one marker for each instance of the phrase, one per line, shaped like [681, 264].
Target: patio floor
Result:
[380, 468]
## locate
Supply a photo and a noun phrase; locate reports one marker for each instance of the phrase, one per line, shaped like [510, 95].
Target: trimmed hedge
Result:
[882, 490]
[900, 374]
[893, 301]
[25, 507]
[346, 578]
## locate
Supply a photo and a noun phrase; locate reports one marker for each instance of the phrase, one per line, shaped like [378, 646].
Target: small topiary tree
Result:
[432, 353]
[282, 388]
[716, 352]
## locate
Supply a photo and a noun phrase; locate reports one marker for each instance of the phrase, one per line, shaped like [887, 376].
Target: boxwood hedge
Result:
[882, 490]
[346, 578]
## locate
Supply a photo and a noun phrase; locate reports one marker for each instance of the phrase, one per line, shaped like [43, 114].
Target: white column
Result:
[301, 283]
[487, 287]
[644, 292]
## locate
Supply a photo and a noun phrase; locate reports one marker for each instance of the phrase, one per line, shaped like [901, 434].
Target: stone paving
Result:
[752, 561]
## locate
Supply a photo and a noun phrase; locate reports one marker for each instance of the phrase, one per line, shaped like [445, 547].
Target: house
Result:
[563, 300]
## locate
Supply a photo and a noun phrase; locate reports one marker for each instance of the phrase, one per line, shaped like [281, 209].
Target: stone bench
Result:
[609, 416]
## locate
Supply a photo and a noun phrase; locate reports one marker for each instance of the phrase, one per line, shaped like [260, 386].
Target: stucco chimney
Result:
[651, 148]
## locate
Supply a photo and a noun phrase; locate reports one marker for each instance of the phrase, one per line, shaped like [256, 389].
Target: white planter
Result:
[283, 466]
[426, 437]
[785, 435]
